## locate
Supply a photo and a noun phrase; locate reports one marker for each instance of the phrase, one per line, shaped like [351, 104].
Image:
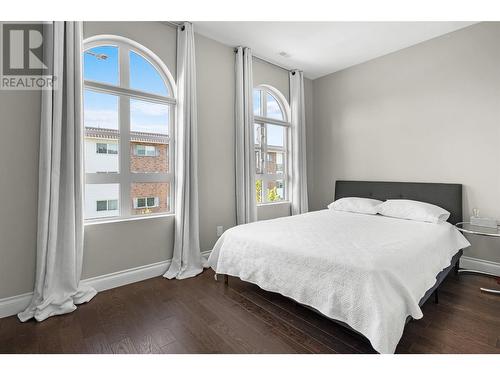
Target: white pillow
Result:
[413, 210]
[359, 205]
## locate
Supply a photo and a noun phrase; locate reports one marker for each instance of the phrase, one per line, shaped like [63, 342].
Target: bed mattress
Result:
[368, 271]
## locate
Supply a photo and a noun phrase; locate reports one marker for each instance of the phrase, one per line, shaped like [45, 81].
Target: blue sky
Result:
[274, 133]
[101, 110]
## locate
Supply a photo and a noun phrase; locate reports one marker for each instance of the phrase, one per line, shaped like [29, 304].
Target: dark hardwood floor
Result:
[200, 315]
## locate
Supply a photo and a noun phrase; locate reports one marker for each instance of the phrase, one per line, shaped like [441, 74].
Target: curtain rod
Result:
[274, 64]
[175, 24]
[270, 63]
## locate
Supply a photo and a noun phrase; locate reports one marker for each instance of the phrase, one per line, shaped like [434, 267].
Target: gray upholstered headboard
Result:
[447, 196]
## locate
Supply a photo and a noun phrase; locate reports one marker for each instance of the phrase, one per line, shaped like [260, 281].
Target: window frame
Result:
[125, 177]
[263, 121]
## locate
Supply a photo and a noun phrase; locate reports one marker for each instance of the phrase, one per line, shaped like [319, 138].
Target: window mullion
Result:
[124, 66]
[264, 163]
[124, 119]
[263, 106]
[102, 178]
[265, 180]
[125, 174]
[117, 90]
[262, 148]
[272, 121]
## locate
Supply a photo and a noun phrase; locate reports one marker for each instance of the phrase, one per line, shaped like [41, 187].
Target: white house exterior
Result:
[101, 156]
[149, 153]
[101, 200]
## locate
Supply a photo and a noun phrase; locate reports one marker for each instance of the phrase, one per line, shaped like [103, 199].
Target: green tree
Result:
[258, 190]
[272, 194]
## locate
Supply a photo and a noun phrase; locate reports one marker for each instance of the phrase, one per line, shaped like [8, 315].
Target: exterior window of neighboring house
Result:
[147, 202]
[271, 130]
[129, 105]
[107, 205]
[105, 148]
[144, 150]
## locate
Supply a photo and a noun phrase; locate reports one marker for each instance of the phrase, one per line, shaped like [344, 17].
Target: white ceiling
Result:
[320, 48]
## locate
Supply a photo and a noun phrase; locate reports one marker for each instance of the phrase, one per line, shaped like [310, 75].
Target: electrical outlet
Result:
[220, 230]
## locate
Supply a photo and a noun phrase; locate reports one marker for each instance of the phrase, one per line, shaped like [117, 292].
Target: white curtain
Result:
[246, 205]
[299, 162]
[60, 187]
[186, 261]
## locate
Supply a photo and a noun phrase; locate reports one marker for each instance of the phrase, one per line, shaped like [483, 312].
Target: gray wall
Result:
[309, 108]
[269, 74]
[428, 113]
[413, 115]
[215, 81]
[20, 128]
[117, 246]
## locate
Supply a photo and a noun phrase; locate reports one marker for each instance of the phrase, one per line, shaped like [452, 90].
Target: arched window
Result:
[271, 129]
[129, 105]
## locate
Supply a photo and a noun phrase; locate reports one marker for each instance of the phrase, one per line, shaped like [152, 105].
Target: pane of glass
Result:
[102, 205]
[100, 64]
[102, 148]
[149, 125]
[112, 204]
[149, 117]
[150, 150]
[258, 191]
[273, 108]
[275, 191]
[101, 132]
[153, 196]
[112, 148]
[256, 102]
[257, 133]
[140, 150]
[275, 162]
[100, 110]
[275, 135]
[145, 77]
[96, 200]
[149, 158]
[258, 161]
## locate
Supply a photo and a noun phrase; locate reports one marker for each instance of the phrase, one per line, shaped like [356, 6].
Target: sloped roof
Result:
[135, 136]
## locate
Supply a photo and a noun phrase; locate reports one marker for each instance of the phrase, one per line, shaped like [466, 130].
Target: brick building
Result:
[149, 153]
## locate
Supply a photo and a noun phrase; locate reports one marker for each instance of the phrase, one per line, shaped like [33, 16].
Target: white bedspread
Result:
[368, 271]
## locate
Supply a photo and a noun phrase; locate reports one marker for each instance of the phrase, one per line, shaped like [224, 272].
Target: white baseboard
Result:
[15, 304]
[132, 275]
[480, 265]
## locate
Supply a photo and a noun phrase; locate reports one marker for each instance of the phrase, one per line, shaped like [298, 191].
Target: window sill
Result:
[119, 220]
[273, 203]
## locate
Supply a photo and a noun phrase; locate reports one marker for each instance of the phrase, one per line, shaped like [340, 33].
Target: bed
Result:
[370, 272]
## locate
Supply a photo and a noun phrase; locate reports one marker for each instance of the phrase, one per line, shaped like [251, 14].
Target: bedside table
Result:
[466, 227]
